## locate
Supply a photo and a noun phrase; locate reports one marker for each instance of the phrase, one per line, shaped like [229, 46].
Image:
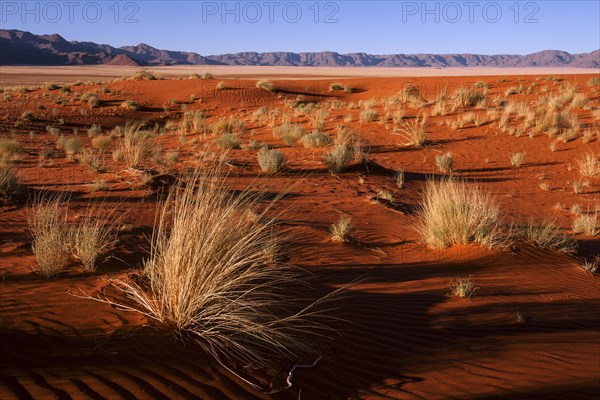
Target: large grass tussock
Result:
[456, 213]
[211, 277]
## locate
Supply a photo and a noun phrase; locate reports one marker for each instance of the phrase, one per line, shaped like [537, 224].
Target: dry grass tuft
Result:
[10, 150]
[462, 286]
[193, 121]
[231, 125]
[411, 95]
[399, 178]
[265, 85]
[101, 142]
[211, 282]
[94, 130]
[289, 133]
[340, 231]
[228, 141]
[368, 115]
[415, 131]
[138, 145]
[334, 87]
[590, 266]
[56, 240]
[143, 76]
[50, 231]
[589, 165]
[271, 160]
[316, 139]
[579, 186]
[455, 213]
[586, 224]
[72, 145]
[93, 160]
[9, 182]
[466, 97]
[91, 236]
[445, 162]
[339, 157]
[516, 159]
[131, 105]
[546, 235]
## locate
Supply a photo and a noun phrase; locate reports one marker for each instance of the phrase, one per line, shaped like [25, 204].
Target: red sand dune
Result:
[400, 335]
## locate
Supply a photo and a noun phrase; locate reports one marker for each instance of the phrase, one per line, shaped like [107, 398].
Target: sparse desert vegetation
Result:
[157, 217]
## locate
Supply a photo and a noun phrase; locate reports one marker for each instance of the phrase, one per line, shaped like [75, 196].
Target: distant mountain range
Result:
[24, 48]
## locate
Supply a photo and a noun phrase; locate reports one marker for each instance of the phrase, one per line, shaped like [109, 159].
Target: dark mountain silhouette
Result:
[25, 48]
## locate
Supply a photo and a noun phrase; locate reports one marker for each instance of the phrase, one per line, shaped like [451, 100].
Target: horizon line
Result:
[298, 52]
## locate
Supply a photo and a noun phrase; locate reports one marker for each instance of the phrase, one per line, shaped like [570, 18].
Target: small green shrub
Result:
[334, 87]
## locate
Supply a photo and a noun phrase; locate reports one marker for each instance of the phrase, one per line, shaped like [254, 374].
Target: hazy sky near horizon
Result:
[376, 27]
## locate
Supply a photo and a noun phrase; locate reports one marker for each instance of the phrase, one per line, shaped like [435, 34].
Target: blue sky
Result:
[376, 27]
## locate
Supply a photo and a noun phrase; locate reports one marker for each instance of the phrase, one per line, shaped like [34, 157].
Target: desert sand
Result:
[32, 75]
[401, 335]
